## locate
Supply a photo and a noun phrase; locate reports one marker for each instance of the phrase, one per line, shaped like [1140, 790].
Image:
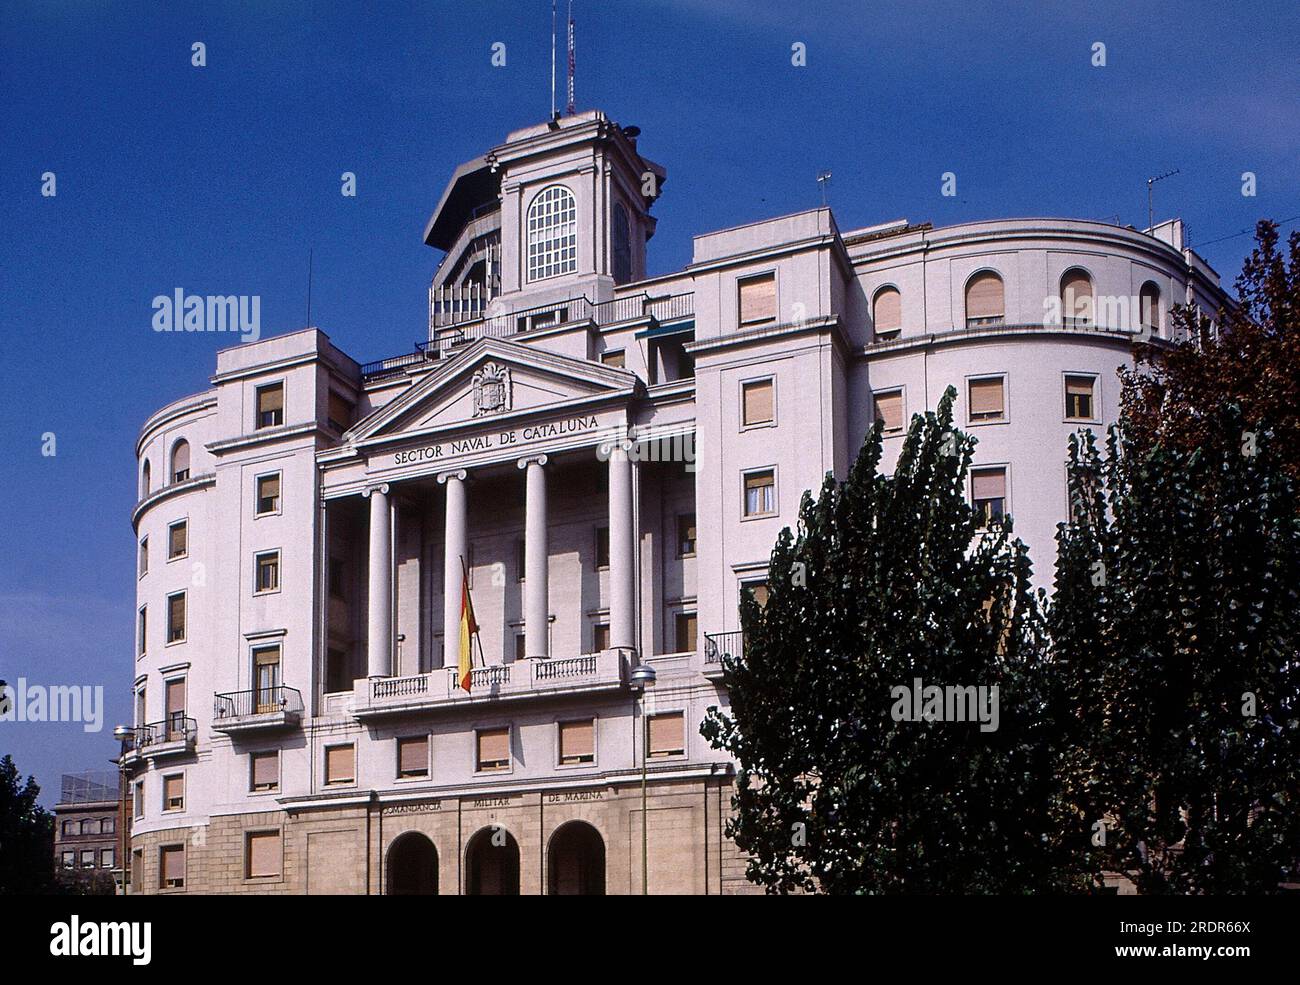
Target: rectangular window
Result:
[685, 626]
[755, 589]
[757, 299]
[889, 409]
[69, 860]
[137, 798]
[140, 705]
[266, 577]
[176, 618]
[667, 734]
[142, 624]
[521, 559]
[270, 405]
[263, 854]
[107, 825]
[171, 867]
[175, 712]
[340, 764]
[600, 637]
[1079, 404]
[989, 493]
[686, 535]
[577, 742]
[758, 403]
[266, 679]
[268, 494]
[987, 400]
[493, 746]
[69, 829]
[602, 547]
[106, 858]
[87, 858]
[264, 771]
[85, 826]
[615, 358]
[521, 646]
[341, 412]
[177, 540]
[413, 756]
[144, 556]
[760, 493]
[174, 792]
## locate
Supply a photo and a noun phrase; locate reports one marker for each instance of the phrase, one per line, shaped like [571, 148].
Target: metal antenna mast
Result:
[553, 2]
[572, 60]
[1151, 212]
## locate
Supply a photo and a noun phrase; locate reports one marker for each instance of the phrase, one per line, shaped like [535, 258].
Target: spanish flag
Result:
[468, 627]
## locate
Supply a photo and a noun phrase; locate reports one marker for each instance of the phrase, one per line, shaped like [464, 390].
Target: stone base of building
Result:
[555, 841]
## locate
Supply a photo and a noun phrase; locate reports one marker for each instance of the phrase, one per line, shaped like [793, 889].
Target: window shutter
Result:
[889, 408]
[984, 297]
[1150, 305]
[757, 299]
[757, 398]
[888, 311]
[173, 863]
[1078, 385]
[577, 741]
[175, 697]
[270, 398]
[264, 854]
[339, 764]
[1076, 295]
[266, 769]
[177, 536]
[173, 789]
[667, 734]
[413, 755]
[600, 636]
[989, 484]
[176, 616]
[180, 460]
[493, 747]
[986, 398]
[616, 359]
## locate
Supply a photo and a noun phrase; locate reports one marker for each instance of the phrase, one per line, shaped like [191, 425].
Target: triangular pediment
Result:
[492, 379]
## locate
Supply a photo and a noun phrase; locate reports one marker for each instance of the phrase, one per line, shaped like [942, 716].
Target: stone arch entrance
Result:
[576, 861]
[492, 863]
[412, 866]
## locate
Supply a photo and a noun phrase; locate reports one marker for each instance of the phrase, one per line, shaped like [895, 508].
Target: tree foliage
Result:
[26, 835]
[890, 579]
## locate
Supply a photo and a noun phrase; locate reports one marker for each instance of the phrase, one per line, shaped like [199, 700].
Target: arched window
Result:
[145, 479]
[552, 233]
[1076, 298]
[985, 300]
[1149, 308]
[180, 461]
[887, 313]
[622, 234]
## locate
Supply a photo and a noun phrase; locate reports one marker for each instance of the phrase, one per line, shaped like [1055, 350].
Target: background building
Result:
[609, 457]
[87, 836]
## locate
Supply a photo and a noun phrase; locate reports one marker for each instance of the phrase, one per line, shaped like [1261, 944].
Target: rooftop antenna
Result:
[823, 179]
[1151, 212]
[310, 251]
[572, 61]
[553, 2]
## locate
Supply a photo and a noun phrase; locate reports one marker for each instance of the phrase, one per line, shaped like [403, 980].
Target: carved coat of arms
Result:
[491, 389]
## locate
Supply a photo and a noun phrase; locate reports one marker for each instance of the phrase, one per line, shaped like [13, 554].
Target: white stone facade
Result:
[606, 455]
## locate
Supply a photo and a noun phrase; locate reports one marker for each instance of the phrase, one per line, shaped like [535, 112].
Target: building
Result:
[609, 457]
[87, 836]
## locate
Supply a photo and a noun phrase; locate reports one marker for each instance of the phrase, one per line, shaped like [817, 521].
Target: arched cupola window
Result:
[180, 461]
[1076, 298]
[887, 313]
[145, 479]
[622, 236]
[1149, 308]
[552, 233]
[985, 300]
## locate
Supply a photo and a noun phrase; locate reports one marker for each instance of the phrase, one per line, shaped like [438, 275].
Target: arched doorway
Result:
[412, 866]
[576, 864]
[492, 863]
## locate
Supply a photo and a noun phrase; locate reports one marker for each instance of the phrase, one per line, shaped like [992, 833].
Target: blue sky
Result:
[220, 179]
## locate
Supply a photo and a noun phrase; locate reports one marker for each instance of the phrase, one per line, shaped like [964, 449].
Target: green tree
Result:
[890, 579]
[1176, 683]
[26, 835]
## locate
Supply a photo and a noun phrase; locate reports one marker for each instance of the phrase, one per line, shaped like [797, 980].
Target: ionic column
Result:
[622, 546]
[379, 639]
[536, 596]
[455, 547]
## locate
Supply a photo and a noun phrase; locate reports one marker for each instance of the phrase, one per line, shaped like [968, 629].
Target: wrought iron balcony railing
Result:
[277, 700]
[718, 644]
[175, 729]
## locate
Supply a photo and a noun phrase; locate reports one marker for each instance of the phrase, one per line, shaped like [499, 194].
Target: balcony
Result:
[172, 737]
[260, 709]
[716, 645]
[523, 680]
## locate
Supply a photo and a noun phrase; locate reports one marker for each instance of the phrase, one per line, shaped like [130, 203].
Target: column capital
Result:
[381, 488]
[523, 463]
[460, 474]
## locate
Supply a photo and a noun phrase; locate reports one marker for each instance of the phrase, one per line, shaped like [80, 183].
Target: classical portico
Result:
[512, 467]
